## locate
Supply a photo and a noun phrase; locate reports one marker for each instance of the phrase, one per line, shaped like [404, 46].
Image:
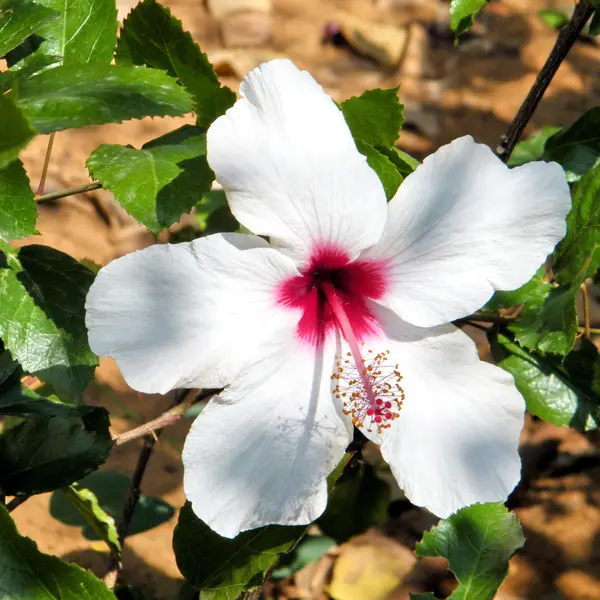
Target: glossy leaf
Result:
[158, 183]
[110, 490]
[577, 147]
[29, 574]
[42, 316]
[42, 455]
[532, 148]
[151, 36]
[463, 13]
[76, 96]
[19, 19]
[358, 501]
[18, 211]
[478, 542]
[562, 393]
[86, 32]
[224, 568]
[29, 66]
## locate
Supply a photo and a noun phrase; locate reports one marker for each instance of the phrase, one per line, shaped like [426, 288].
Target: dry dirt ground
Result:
[448, 91]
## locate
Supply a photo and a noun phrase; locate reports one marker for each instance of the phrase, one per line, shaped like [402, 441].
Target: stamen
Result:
[369, 391]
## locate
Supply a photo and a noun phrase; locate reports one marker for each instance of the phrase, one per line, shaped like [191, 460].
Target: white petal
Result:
[290, 168]
[456, 440]
[261, 452]
[463, 225]
[188, 315]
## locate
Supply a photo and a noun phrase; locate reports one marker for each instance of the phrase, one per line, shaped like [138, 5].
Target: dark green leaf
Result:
[463, 13]
[80, 95]
[158, 183]
[42, 316]
[595, 24]
[152, 36]
[375, 117]
[110, 490]
[224, 568]
[19, 19]
[27, 574]
[577, 147]
[29, 66]
[308, 551]
[15, 131]
[18, 401]
[478, 542]
[131, 592]
[18, 211]
[358, 501]
[560, 393]
[45, 454]
[577, 257]
[555, 19]
[213, 214]
[532, 148]
[86, 32]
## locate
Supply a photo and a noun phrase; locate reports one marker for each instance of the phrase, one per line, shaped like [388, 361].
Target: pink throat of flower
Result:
[332, 294]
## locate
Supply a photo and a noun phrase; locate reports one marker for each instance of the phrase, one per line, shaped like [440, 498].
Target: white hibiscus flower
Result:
[343, 319]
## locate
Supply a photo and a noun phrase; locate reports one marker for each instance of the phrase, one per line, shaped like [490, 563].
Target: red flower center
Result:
[352, 283]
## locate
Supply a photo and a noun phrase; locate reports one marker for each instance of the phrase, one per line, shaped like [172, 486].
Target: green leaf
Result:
[308, 551]
[213, 214]
[151, 36]
[18, 211]
[562, 393]
[86, 33]
[158, 183]
[577, 147]
[28, 574]
[15, 131]
[556, 19]
[42, 316]
[478, 542]
[595, 24]
[42, 455]
[463, 13]
[19, 19]
[224, 568]
[389, 175]
[375, 117]
[358, 501]
[577, 256]
[80, 95]
[110, 490]
[18, 401]
[532, 148]
[29, 66]
[131, 592]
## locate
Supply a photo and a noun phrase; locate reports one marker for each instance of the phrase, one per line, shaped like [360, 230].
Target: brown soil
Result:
[448, 91]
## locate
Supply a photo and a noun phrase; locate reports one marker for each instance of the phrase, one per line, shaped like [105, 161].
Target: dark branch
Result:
[566, 38]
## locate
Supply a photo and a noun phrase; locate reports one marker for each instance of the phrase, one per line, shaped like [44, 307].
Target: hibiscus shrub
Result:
[319, 305]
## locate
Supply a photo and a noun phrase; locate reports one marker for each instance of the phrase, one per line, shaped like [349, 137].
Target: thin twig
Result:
[566, 38]
[586, 312]
[80, 189]
[40, 189]
[16, 502]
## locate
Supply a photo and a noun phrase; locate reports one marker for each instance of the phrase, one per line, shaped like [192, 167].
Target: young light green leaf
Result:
[478, 542]
[556, 19]
[158, 183]
[562, 393]
[42, 316]
[15, 131]
[18, 211]
[42, 455]
[388, 174]
[19, 19]
[80, 95]
[463, 13]
[532, 148]
[577, 147]
[358, 501]
[86, 32]
[577, 256]
[110, 490]
[224, 568]
[308, 551]
[31, 575]
[151, 36]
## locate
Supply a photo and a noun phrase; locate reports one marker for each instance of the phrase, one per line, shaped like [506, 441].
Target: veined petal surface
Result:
[190, 314]
[463, 225]
[290, 167]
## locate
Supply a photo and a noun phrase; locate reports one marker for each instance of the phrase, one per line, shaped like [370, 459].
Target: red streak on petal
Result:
[354, 284]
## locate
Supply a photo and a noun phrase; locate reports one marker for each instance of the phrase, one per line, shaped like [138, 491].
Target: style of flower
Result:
[342, 320]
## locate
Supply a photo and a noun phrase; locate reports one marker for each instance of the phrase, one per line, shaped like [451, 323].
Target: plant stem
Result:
[88, 187]
[40, 189]
[16, 502]
[566, 38]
